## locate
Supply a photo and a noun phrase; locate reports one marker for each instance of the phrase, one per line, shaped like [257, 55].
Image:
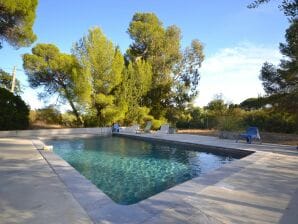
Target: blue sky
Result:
[236, 40]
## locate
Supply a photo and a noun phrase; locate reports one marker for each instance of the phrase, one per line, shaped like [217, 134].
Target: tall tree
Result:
[6, 82]
[281, 83]
[16, 21]
[160, 46]
[217, 107]
[102, 64]
[58, 73]
[136, 83]
[289, 7]
[187, 75]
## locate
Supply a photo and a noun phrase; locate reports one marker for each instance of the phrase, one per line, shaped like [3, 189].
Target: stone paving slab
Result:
[30, 192]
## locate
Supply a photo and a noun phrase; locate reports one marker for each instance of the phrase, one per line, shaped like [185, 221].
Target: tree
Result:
[289, 7]
[174, 73]
[186, 74]
[49, 115]
[217, 107]
[16, 21]
[136, 83]
[160, 47]
[102, 65]
[58, 73]
[6, 82]
[281, 83]
[14, 113]
[254, 103]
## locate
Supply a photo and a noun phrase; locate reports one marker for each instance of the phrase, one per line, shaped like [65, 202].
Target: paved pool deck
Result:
[39, 187]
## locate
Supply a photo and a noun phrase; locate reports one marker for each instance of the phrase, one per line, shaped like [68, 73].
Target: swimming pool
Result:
[129, 170]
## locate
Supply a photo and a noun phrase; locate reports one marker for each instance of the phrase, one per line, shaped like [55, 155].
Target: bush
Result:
[230, 123]
[14, 113]
[183, 124]
[157, 123]
[272, 121]
[49, 115]
[234, 118]
[69, 120]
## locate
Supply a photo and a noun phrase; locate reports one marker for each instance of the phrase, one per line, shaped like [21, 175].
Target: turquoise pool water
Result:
[129, 171]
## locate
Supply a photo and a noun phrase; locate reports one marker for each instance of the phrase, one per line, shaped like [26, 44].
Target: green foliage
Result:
[186, 74]
[136, 83]
[14, 113]
[32, 116]
[217, 107]
[234, 118]
[102, 65]
[175, 74]
[156, 123]
[155, 44]
[229, 123]
[160, 47]
[16, 22]
[254, 103]
[90, 118]
[6, 82]
[58, 73]
[68, 119]
[49, 115]
[195, 118]
[289, 7]
[156, 81]
[272, 121]
[281, 84]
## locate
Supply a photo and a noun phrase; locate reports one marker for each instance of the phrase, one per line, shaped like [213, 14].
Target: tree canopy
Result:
[281, 83]
[254, 103]
[289, 7]
[57, 72]
[16, 22]
[102, 65]
[14, 113]
[137, 81]
[175, 73]
[151, 81]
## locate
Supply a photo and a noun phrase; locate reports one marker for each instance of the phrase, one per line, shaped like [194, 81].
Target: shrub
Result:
[69, 120]
[183, 124]
[14, 113]
[272, 121]
[49, 115]
[157, 123]
[230, 123]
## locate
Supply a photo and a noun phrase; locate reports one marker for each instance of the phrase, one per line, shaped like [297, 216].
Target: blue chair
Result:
[115, 127]
[252, 133]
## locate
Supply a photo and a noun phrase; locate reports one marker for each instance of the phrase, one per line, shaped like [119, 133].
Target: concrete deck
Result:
[260, 188]
[30, 192]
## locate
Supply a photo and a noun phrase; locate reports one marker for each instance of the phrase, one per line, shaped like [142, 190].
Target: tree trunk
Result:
[79, 119]
[75, 111]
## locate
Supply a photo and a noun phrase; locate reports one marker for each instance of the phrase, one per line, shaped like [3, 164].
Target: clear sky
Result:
[237, 40]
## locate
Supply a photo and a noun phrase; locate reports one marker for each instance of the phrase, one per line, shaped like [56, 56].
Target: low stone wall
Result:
[56, 132]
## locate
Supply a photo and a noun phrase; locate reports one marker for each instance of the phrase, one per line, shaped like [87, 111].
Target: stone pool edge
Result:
[194, 146]
[100, 207]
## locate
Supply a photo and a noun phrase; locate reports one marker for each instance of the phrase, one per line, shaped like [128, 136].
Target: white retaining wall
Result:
[57, 132]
